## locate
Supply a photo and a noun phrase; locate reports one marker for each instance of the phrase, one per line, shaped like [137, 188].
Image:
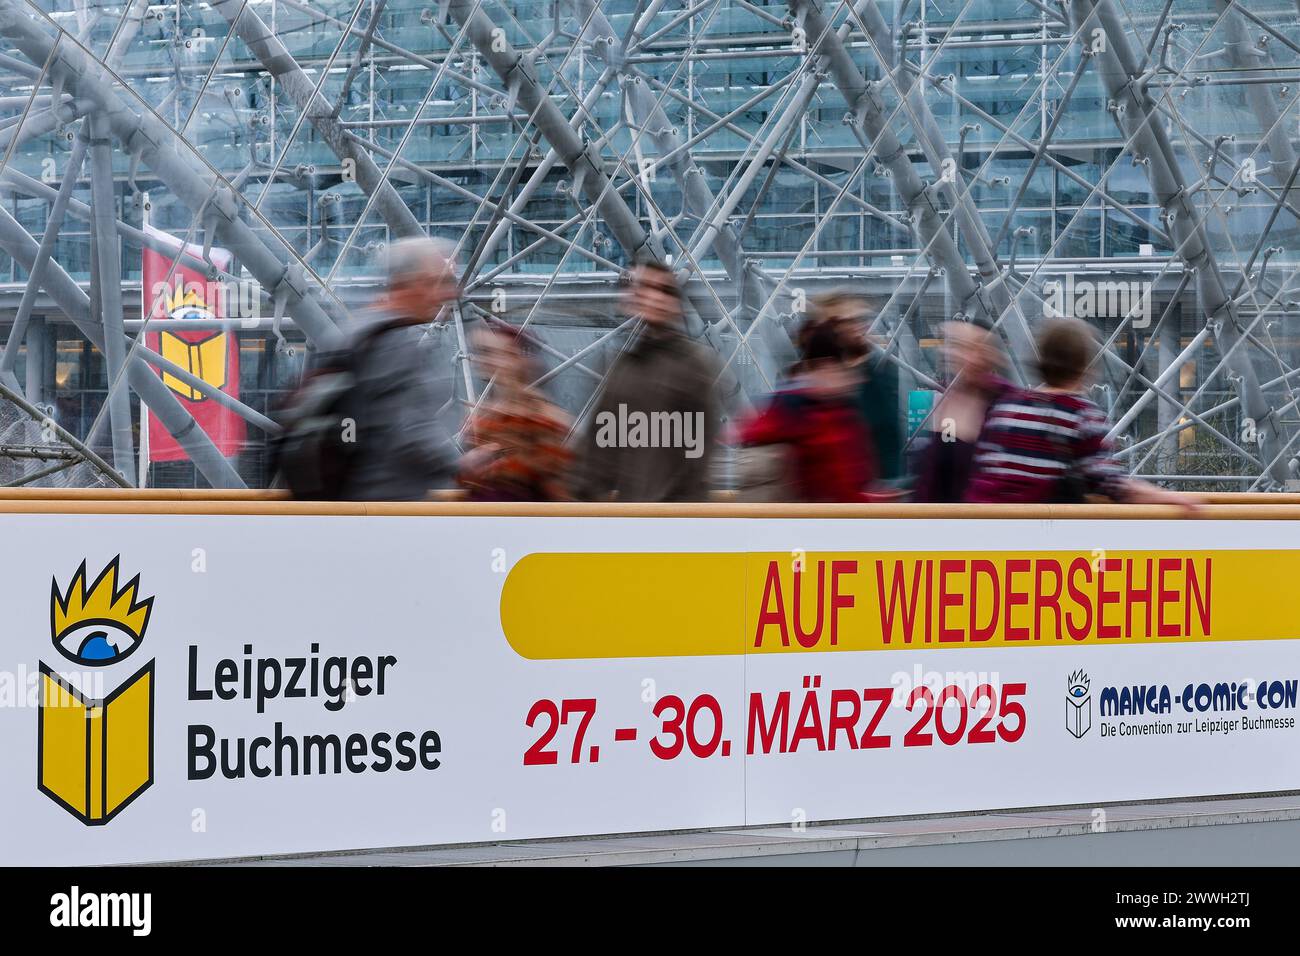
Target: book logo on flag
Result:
[95, 754]
[204, 353]
[177, 292]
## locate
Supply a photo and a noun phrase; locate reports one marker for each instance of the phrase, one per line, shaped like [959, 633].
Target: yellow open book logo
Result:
[205, 359]
[95, 754]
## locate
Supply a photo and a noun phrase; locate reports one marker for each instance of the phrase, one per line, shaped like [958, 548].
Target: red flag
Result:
[211, 354]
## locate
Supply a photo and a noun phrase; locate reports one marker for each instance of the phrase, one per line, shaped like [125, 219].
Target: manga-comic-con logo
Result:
[95, 754]
[1078, 704]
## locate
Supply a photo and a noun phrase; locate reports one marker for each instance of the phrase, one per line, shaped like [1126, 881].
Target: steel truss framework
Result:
[767, 150]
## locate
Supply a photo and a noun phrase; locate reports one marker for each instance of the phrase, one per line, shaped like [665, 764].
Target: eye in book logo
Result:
[1078, 704]
[95, 755]
[204, 352]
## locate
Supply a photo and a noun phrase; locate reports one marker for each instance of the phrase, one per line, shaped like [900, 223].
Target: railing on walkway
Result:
[1215, 505]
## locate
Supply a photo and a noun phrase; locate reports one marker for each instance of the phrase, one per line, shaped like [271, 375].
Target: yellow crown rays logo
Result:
[98, 623]
[182, 298]
[95, 754]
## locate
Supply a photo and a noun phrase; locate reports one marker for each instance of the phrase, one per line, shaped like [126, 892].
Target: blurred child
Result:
[1048, 445]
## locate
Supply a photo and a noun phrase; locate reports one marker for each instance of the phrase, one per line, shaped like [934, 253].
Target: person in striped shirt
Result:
[1048, 445]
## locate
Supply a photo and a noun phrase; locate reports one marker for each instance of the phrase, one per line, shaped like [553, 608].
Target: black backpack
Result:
[310, 457]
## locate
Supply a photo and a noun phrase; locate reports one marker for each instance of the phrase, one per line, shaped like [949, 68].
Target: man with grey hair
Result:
[402, 449]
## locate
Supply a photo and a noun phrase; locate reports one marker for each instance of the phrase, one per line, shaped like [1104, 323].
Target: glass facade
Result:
[965, 159]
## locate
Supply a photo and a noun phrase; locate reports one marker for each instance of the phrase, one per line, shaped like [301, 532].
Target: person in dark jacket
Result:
[403, 449]
[654, 425]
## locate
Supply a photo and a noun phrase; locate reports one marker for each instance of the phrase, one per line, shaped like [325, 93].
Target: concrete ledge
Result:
[884, 842]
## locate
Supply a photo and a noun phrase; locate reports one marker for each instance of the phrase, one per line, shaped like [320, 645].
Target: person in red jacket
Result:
[815, 415]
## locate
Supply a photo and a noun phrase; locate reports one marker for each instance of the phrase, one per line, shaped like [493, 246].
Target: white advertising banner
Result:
[178, 687]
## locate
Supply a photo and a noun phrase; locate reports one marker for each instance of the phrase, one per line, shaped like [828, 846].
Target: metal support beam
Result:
[933, 145]
[1240, 52]
[664, 140]
[62, 434]
[194, 183]
[1167, 357]
[109, 261]
[867, 109]
[37, 350]
[52, 227]
[1139, 122]
[293, 82]
[519, 75]
[514, 213]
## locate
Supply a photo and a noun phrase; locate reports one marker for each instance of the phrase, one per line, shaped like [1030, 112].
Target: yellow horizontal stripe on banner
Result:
[587, 605]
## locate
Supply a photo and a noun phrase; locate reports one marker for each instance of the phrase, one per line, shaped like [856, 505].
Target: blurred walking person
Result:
[402, 447]
[876, 389]
[518, 433]
[365, 423]
[655, 423]
[815, 416]
[1048, 444]
[944, 451]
